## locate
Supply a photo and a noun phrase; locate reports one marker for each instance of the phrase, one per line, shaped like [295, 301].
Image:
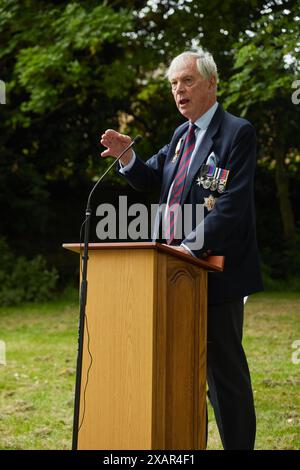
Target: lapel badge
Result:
[212, 159]
[177, 151]
[209, 202]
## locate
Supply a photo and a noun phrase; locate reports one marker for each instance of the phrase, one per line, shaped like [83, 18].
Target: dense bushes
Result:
[281, 269]
[23, 280]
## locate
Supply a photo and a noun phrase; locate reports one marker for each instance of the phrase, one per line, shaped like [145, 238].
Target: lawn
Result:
[37, 382]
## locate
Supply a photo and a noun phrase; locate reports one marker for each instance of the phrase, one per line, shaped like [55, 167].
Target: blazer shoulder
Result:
[236, 122]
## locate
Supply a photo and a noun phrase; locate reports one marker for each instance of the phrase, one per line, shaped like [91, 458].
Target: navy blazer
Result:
[229, 228]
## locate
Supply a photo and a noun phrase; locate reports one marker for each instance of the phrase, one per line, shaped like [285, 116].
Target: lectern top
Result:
[211, 263]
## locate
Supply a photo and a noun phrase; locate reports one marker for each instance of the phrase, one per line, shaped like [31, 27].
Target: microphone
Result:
[137, 139]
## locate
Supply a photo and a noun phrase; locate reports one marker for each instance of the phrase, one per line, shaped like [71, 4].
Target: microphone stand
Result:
[83, 295]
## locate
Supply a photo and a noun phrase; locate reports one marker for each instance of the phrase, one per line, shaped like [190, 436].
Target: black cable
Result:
[88, 372]
[88, 334]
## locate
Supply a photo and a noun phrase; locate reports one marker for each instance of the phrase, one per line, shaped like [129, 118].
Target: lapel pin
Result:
[177, 150]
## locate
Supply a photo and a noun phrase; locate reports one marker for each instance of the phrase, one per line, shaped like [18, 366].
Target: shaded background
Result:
[73, 69]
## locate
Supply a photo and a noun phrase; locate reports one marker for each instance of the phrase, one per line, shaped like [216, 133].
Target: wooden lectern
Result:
[143, 380]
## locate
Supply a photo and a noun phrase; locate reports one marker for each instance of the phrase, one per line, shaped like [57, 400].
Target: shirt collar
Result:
[203, 121]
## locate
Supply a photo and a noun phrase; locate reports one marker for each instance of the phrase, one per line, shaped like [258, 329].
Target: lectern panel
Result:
[116, 398]
[180, 392]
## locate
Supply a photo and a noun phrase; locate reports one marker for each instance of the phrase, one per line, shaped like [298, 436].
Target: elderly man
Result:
[210, 160]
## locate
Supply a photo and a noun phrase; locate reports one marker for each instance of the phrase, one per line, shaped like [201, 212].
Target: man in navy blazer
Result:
[220, 176]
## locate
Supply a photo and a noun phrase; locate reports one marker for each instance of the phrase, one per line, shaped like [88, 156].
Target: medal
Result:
[213, 178]
[203, 172]
[221, 186]
[209, 176]
[222, 180]
[206, 182]
[210, 202]
[213, 185]
[215, 181]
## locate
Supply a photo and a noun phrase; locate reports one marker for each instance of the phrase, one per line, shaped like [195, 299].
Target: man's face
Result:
[193, 94]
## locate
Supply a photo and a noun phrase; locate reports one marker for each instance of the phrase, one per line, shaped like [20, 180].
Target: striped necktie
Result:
[179, 182]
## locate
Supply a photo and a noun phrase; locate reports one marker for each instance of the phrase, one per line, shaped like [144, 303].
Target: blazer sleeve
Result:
[230, 208]
[147, 176]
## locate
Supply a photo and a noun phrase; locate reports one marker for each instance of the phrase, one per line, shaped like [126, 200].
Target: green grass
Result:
[37, 384]
[272, 323]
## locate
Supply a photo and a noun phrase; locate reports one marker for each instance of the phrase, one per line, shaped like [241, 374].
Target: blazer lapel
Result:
[203, 151]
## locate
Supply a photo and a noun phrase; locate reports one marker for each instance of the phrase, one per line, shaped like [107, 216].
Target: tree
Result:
[56, 60]
[266, 66]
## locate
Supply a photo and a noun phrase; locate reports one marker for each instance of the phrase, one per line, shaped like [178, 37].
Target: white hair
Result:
[204, 61]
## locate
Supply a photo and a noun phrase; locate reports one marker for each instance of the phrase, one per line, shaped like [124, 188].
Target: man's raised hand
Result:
[116, 143]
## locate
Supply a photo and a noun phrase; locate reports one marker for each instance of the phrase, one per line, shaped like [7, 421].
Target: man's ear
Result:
[212, 83]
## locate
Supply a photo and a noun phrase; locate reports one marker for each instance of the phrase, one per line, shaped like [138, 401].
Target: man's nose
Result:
[180, 87]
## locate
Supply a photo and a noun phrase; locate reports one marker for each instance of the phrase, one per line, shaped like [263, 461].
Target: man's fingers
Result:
[111, 136]
[114, 142]
[110, 133]
[111, 142]
[108, 137]
[178, 248]
[106, 153]
[106, 141]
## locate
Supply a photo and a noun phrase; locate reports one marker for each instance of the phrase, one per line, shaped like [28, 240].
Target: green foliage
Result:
[57, 61]
[266, 64]
[70, 63]
[74, 68]
[23, 280]
[266, 59]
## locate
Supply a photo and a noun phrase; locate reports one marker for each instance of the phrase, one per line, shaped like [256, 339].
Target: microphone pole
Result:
[83, 295]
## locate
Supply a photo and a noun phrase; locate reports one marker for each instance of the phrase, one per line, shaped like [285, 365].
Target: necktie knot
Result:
[191, 130]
